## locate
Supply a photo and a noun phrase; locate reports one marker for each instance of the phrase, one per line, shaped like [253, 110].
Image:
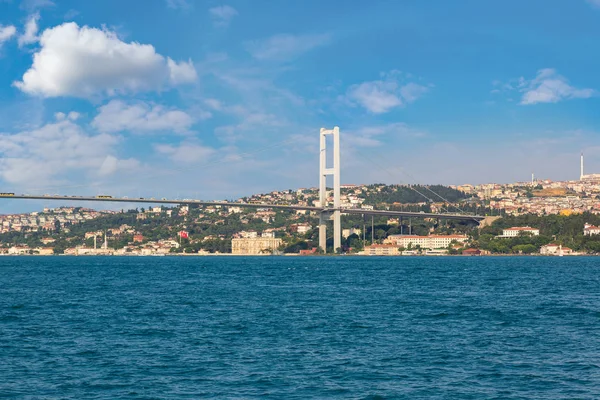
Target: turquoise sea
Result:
[299, 328]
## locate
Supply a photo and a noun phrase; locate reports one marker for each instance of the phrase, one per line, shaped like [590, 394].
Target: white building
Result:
[348, 232]
[248, 234]
[554, 249]
[19, 250]
[382, 250]
[300, 228]
[425, 242]
[249, 246]
[516, 231]
[589, 230]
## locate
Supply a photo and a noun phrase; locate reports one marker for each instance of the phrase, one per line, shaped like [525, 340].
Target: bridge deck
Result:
[248, 205]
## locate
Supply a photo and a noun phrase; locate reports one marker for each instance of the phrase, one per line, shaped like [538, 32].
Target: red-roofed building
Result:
[308, 251]
[471, 252]
[589, 230]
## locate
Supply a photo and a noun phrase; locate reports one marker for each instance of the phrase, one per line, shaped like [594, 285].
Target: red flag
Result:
[183, 234]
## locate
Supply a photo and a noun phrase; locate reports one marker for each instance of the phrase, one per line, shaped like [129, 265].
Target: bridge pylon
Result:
[323, 173]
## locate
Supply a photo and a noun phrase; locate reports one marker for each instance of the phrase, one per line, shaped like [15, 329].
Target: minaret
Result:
[581, 176]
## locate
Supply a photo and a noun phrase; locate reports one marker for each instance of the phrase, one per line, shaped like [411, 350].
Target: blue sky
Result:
[219, 99]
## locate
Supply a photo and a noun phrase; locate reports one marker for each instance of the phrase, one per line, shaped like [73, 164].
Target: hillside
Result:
[211, 228]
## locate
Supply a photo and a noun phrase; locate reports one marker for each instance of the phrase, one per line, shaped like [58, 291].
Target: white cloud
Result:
[54, 152]
[112, 164]
[377, 135]
[222, 15]
[184, 72]
[412, 91]
[594, 2]
[186, 152]
[550, 87]
[381, 96]
[117, 116]
[285, 46]
[86, 62]
[214, 104]
[6, 32]
[31, 30]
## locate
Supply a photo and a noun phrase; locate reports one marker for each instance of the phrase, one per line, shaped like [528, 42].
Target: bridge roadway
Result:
[249, 205]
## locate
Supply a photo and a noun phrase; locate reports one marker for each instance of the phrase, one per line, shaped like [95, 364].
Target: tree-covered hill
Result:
[412, 194]
[560, 229]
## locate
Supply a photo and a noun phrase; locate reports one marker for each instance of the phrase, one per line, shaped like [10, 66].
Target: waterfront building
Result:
[382, 250]
[44, 251]
[554, 249]
[471, 252]
[516, 231]
[19, 250]
[308, 251]
[425, 242]
[254, 246]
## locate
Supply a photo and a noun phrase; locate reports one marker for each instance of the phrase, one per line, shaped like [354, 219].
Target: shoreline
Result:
[294, 255]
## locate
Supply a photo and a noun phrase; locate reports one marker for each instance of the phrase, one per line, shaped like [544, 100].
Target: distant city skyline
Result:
[218, 100]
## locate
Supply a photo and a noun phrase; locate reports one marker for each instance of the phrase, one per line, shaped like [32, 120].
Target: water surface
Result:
[290, 327]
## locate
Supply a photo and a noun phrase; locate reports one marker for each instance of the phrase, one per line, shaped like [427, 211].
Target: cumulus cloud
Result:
[53, 152]
[6, 32]
[85, 62]
[381, 96]
[550, 87]
[31, 30]
[185, 153]
[222, 15]
[283, 47]
[139, 117]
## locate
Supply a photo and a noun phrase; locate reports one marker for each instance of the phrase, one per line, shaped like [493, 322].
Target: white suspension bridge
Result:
[325, 210]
